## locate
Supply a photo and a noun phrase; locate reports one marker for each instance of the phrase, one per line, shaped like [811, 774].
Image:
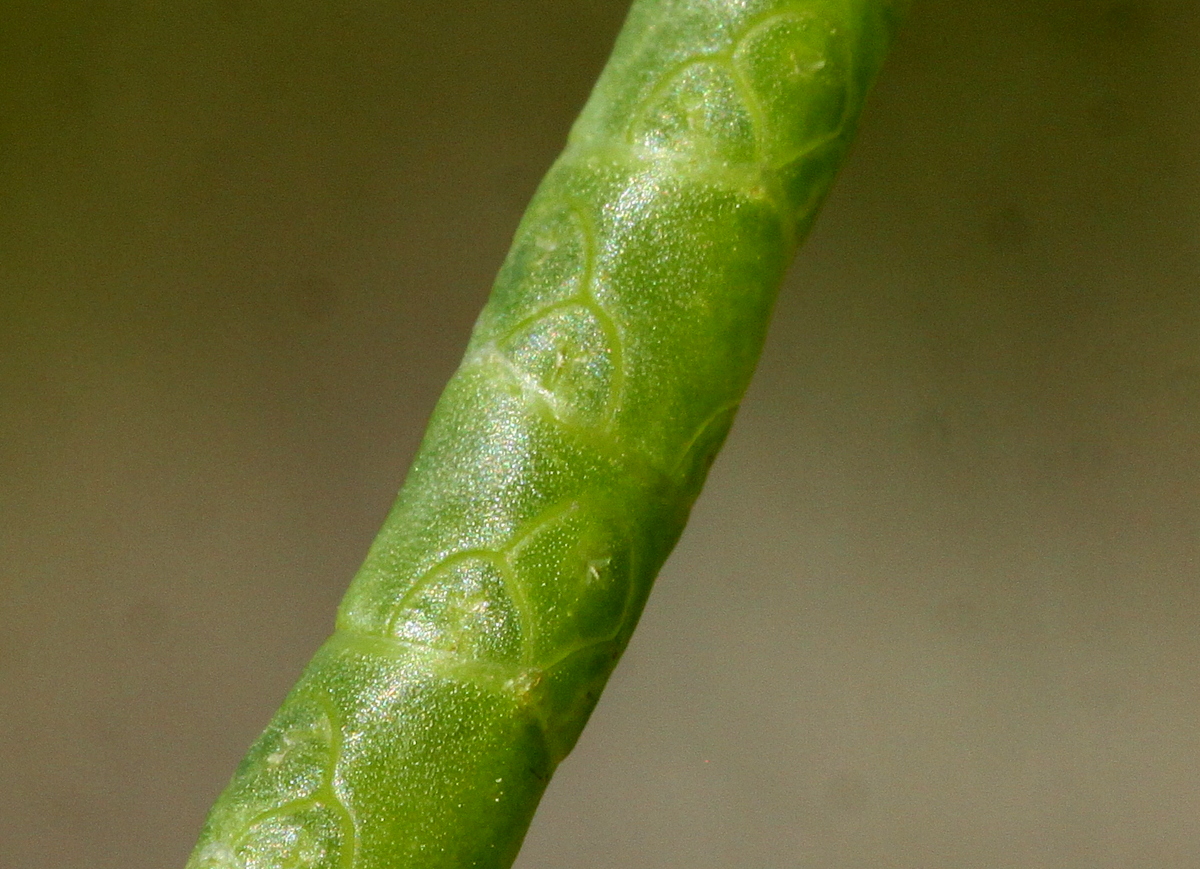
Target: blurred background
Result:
[939, 605]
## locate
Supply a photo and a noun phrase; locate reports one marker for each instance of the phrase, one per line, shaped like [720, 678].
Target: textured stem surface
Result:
[564, 456]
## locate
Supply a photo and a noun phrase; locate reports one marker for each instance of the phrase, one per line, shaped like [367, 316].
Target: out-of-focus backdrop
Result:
[939, 606]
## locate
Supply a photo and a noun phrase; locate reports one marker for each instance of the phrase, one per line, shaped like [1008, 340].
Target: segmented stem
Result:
[564, 456]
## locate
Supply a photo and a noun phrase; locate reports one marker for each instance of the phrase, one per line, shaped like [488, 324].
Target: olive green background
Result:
[940, 604]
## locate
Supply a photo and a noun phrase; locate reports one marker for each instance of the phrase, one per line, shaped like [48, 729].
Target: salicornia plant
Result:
[564, 456]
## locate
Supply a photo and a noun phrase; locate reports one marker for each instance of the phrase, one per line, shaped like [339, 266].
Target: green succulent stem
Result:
[564, 456]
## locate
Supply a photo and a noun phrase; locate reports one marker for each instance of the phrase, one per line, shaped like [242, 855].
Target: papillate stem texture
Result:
[562, 460]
